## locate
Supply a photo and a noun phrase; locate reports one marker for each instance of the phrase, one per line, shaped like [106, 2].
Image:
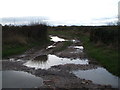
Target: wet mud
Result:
[57, 75]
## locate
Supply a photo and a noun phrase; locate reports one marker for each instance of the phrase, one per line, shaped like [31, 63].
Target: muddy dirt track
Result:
[55, 67]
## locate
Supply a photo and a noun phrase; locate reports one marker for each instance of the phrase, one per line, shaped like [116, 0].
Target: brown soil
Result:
[57, 76]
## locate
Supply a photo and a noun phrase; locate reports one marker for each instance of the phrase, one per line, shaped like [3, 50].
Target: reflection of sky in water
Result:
[54, 60]
[98, 76]
[45, 63]
[78, 47]
[19, 79]
[56, 39]
[51, 46]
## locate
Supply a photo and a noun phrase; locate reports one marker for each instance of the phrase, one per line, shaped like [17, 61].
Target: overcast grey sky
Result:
[63, 11]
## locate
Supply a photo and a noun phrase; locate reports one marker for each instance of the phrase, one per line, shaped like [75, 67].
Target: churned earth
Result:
[58, 68]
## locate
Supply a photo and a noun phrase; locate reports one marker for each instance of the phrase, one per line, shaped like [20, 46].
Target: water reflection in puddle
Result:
[53, 60]
[19, 79]
[13, 60]
[56, 39]
[51, 46]
[98, 76]
[79, 47]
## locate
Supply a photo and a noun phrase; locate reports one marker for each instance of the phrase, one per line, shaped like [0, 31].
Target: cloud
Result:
[61, 11]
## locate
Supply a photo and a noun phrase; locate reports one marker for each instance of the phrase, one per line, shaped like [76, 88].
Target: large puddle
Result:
[51, 60]
[20, 79]
[46, 61]
[98, 76]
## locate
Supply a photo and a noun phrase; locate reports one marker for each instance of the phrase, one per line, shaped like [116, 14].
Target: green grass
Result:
[107, 57]
[17, 39]
[12, 49]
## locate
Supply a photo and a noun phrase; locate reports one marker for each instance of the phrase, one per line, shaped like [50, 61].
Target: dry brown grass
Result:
[15, 39]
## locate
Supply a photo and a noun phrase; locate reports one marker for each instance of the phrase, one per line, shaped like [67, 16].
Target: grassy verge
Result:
[11, 49]
[108, 58]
